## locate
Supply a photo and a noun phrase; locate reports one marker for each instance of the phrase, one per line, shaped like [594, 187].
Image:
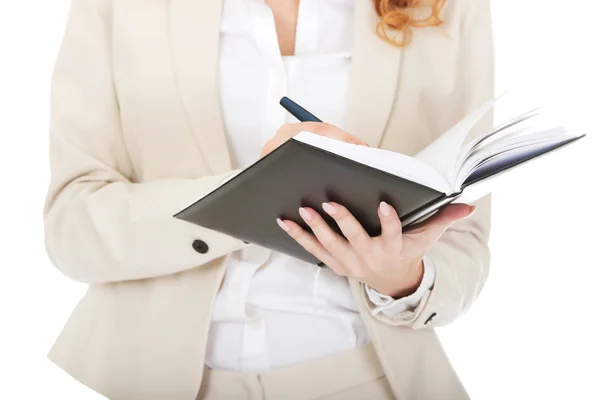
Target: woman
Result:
[157, 103]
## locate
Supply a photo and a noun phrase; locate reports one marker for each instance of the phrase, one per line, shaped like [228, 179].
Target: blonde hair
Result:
[396, 14]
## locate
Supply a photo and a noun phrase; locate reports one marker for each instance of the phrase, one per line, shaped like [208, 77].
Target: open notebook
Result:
[310, 169]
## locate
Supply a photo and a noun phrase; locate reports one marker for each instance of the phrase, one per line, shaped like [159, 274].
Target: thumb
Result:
[438, 223]
[454, 212]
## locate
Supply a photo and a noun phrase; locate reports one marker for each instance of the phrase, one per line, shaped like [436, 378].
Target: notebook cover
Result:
[296, 175]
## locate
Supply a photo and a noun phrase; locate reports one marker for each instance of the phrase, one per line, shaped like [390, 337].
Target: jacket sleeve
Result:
[461, 257]
[100, 225]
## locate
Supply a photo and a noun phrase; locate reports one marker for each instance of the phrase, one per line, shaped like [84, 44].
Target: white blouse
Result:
[274, 310]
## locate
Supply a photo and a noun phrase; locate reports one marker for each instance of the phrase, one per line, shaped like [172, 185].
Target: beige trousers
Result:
[350, 375]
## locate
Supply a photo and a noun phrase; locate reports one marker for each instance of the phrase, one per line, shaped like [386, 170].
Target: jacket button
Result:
[200, 246]
[430, 318]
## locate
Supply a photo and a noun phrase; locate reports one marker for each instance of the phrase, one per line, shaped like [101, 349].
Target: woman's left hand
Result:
[391, 263]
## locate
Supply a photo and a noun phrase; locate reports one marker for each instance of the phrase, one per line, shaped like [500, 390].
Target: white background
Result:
[533, 333]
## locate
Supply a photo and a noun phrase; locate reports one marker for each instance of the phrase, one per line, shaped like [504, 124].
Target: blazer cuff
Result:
[390, 307]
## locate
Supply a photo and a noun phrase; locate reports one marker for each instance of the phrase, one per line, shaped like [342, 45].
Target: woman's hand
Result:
[288, 131]
[390, 263]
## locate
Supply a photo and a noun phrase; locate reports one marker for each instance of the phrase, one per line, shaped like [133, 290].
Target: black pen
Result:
[297, 110]
[300, 113]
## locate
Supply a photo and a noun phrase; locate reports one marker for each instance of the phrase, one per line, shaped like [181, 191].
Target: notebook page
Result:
[532, 141]
[514, 127]
[443, 154]
[500, 162]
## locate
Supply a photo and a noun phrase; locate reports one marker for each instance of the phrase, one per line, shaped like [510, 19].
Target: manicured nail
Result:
[385, 209]
[282, 225]
[471, 212]
[329, 209]
[305, 214]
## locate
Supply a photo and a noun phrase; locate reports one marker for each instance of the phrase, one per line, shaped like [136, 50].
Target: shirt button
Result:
[200, 246]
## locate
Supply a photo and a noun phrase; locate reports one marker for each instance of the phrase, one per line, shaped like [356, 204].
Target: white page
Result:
[443, 153]
[394, 163]
[514, 127]
[526, 146]
[513, 141]
[500, 161]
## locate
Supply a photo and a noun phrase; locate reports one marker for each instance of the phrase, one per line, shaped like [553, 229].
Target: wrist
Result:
[409, 283]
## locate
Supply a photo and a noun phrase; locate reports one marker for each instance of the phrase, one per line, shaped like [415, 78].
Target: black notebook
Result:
[310, 169]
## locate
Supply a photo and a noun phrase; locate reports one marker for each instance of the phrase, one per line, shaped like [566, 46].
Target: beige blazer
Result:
[137, 134]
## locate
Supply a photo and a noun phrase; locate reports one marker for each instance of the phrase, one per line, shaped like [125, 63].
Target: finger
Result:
[283, 134]
[324, 129]
[434, 227]
[350, 227]
[391, 227]
[311, 244]
[331, 241]
[287, 131]
[331, 131]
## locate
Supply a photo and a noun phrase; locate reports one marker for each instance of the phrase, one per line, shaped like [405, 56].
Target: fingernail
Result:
[305, 214]
[282, 225]
[471, 212]
[329, 209]
[385, 209]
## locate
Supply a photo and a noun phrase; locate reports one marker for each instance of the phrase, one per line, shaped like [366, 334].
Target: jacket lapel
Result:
[194, 39]
[373, 77]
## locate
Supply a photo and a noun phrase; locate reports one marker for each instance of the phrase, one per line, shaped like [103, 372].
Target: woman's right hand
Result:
[287, 131]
